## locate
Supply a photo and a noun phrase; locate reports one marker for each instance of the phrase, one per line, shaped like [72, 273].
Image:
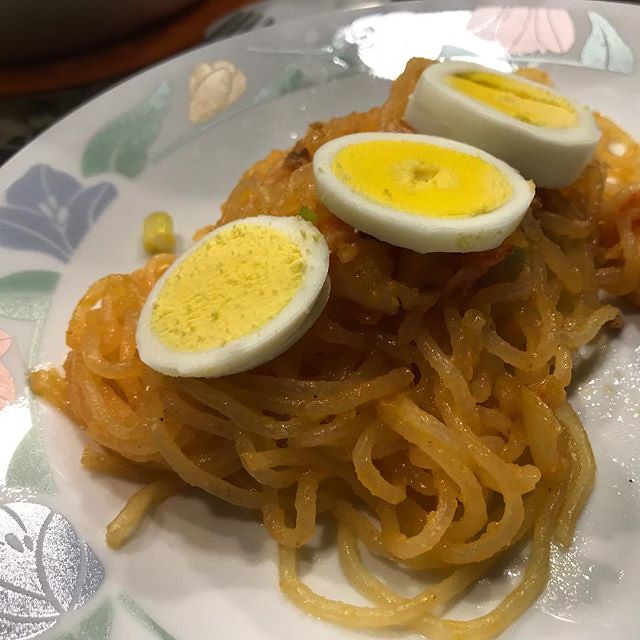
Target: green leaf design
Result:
[26, 295]
[122, 145]
[604, 48]
[450, 52]
[290, 78]
[143, 617]
[28, 468]
[95, 627]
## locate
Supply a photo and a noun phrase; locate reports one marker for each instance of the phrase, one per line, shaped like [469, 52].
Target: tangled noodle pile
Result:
[425, 413]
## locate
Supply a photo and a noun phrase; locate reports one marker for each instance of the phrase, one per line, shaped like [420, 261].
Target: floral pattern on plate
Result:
[122, 144]
[522, 30]
[49, 211]
[7, 384]
[45, 569]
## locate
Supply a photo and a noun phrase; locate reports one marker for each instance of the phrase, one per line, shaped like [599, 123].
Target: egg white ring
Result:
[553, 157]
[266, 342]
[424, 234]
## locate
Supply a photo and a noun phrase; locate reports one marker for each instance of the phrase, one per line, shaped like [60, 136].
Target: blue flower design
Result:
[49, 211]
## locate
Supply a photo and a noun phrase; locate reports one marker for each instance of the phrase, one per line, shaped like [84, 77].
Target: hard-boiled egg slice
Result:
[238, 298]
[421, 192]
[536, 130]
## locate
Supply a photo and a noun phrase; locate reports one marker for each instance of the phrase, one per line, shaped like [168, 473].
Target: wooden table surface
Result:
[176, 33]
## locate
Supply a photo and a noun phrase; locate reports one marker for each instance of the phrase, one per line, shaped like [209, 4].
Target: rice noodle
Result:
[425, 412]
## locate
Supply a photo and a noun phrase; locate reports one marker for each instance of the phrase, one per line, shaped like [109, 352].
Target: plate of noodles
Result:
[331, 330]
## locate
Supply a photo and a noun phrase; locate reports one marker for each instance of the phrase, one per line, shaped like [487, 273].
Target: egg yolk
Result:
[533, 105]
[421, 178]
[232, 285]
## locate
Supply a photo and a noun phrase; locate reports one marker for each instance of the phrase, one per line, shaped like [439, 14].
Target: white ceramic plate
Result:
[70, 211]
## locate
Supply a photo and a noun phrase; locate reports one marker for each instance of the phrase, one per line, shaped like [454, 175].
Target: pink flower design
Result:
[525, 30]
[7, 385]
